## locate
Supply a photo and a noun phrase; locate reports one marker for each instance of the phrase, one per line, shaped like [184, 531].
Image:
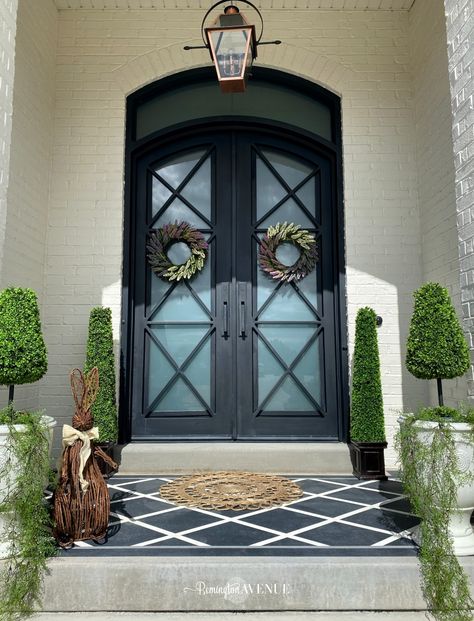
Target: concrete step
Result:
[233, 616]
[275, 457]
[170, 584]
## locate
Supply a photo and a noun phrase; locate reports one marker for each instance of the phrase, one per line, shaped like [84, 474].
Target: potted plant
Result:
[100, 354]
[367, 429]
[436, 454]
[25, 443]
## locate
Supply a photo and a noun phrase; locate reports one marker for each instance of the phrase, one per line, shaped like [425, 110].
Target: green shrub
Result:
[100, 354]
[367, 421]
[23, 357]
[436, 348]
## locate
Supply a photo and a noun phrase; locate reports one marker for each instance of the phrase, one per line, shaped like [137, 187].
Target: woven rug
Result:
[232, 490]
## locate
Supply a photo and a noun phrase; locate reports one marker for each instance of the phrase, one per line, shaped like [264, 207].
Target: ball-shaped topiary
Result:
[367, 419]
[436, 347]
[100, 354]
[23, 356]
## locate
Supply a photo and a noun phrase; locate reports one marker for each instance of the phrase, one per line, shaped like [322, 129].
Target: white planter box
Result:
[7, 482]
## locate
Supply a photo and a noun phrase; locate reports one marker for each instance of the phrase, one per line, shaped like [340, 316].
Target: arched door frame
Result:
[137, 148]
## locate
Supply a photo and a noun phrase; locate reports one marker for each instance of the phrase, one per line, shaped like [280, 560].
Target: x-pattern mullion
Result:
[162, 301]
[179, 370]
[198, 300]
[291, 193]
[288, 370]
[176, 192]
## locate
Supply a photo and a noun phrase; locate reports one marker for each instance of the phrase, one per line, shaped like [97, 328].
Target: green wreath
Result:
[159, 242]
[293, 234]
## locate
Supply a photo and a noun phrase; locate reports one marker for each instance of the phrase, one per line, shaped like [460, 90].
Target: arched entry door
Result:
[233, 354]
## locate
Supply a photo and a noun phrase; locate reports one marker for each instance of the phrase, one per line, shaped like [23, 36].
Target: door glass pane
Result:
[179, 398]
[180, 306]
[269, 371]
[198, 190]
[308, 371]
[160, 371]
[159, 195]
[289, 398]
[307, 196]
[177, 211]
[176, 171]
[179, 341]
[287, 254]
[292, 170]
[158, 288]
[198, 371]
[288, 212]
[269, 190]
[286, 305]
[287, 341]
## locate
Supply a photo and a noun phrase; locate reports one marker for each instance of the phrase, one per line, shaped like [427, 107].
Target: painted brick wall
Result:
[460, 32]
[30, 158]
[8, 14]
[435, 165]
[84, 242]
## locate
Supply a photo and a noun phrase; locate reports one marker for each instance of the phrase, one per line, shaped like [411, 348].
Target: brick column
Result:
[8, 13]
[460, 35]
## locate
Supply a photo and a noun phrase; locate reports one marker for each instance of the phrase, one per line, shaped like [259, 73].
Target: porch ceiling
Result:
[360, 5]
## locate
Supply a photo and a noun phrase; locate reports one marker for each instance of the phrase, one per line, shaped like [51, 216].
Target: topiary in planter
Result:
[100, 354]
[23, 356]
[436, 347]
[367, 429]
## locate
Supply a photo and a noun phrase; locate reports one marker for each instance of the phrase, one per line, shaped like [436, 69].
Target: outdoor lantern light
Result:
[232, 43]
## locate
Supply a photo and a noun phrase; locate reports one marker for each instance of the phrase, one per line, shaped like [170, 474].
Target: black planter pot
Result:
[368, 460]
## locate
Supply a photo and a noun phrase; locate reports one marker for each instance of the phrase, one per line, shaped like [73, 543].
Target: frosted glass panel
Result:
[309, 373]
[289, 398]
[288, 212]
[177, 210]
[178, 253]
[159, 195]
[286, 305]
[269, 371]
[176, 171]
[179, 341]
[290, 169]
[160, 371]
[287, 341]
[307, 196]
[180, 306]
[199, 371]
[179, 398]
[287, 254]
[198, 190]
[269, 190]
[308, 286]
[158, 288]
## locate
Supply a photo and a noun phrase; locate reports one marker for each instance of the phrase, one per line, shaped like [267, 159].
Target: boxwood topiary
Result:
[23, 356]
[436, 348]
[100, 354]
[367, 419]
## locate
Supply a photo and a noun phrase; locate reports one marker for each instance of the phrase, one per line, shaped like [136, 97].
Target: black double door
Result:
[232, 353]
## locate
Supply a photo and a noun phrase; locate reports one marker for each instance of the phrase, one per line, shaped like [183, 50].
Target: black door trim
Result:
[135, 149]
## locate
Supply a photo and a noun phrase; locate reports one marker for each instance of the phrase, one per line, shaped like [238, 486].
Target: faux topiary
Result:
[23, 357]
[436, 347]
[367, 420]
[100, 354]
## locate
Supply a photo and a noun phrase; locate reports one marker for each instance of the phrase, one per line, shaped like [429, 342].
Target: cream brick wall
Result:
[8, 14]
[30, 158]
[435, 165]
[102, 55]
[460, 29]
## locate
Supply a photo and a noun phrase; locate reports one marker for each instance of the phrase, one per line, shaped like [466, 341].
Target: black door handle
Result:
[225, 319]
[242, 318]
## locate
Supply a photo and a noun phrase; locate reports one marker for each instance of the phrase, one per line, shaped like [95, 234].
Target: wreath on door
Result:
[287, 233]
[161, 240]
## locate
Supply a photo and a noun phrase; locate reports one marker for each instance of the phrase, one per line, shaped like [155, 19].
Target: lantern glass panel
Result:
[230, 47]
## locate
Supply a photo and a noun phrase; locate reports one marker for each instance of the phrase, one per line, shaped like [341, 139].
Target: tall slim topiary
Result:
[100, 354]
[436, 347]
[367, 419]
[23, 356]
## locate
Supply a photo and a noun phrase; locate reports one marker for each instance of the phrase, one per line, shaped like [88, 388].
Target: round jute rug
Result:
[232, 490]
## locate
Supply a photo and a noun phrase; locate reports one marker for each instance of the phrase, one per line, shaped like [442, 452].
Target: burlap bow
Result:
[70, 435]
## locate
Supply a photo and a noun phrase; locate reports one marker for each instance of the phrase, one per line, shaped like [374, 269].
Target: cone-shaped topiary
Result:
[100, 354]
[23, 356]
[436, 347]
[367, 420]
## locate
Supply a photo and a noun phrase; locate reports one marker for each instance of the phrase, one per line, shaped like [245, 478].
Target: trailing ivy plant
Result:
[431, 476]
[26, 514]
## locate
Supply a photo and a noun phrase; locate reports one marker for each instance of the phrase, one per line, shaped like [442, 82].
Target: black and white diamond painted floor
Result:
[335, 516]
